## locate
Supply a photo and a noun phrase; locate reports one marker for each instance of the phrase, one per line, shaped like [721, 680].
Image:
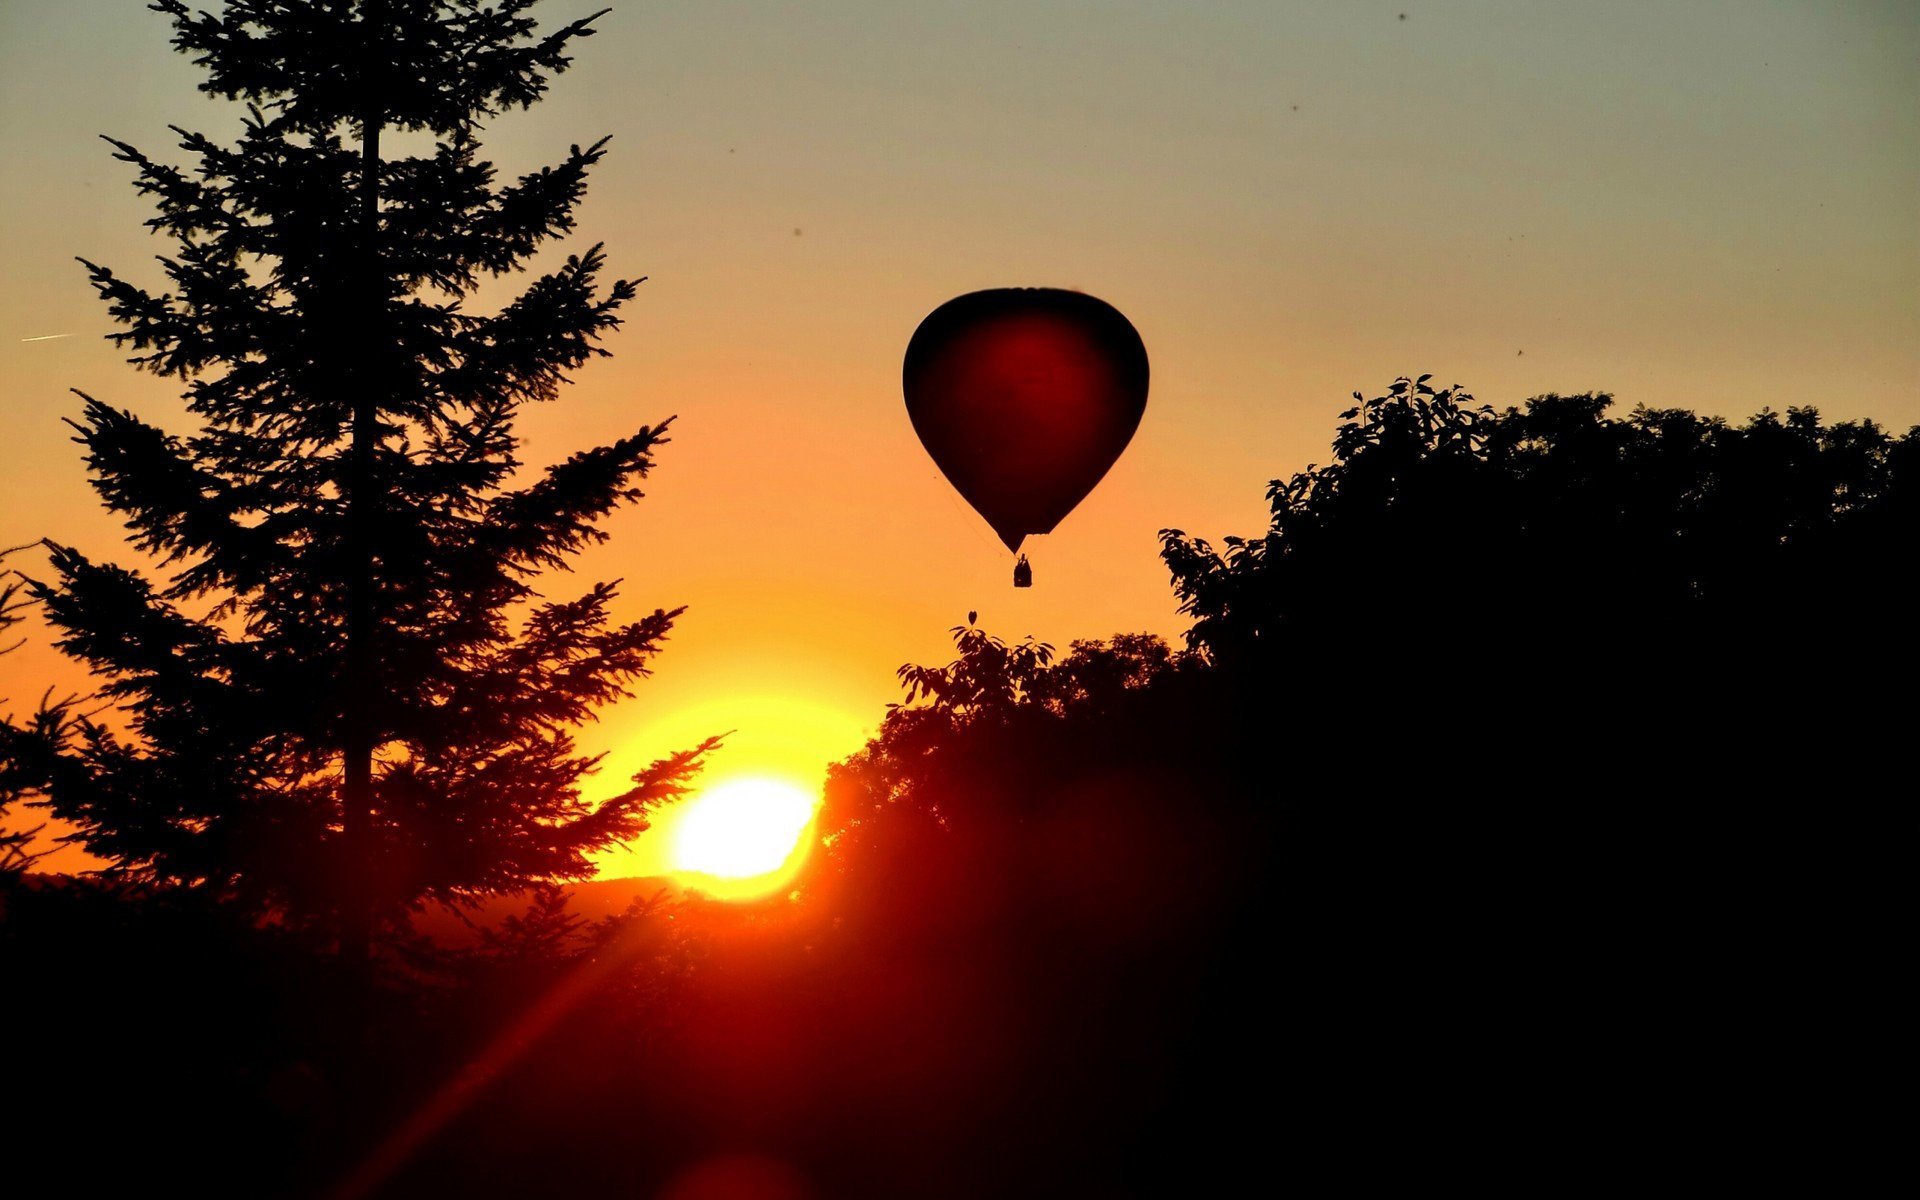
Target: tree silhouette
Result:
[347, 696]
[1550, 571]
[1536, 747]
[1670, 527]
[984, 743]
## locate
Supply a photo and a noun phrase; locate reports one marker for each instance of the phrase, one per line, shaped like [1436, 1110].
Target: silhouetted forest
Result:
[1523, 769]
[1534, 789]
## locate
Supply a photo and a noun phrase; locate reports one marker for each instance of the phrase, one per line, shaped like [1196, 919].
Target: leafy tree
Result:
[982, 742]
[1643, 639]
[1442, 523]
[988, 678]
[1498, 650]
[347, 697]
[1523, 746]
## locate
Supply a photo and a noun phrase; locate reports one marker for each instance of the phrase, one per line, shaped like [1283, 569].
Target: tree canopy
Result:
[1524, 750]
[1521, 521]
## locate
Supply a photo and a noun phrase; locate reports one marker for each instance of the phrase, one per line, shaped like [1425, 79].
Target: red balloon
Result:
[1025, 397]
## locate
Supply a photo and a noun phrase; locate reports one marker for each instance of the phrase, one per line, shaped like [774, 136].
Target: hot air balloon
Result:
[1025, 397]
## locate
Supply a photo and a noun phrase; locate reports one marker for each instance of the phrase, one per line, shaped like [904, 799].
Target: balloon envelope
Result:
[1025, 397]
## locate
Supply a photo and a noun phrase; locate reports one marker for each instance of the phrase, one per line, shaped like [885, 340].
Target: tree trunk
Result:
[357, 771]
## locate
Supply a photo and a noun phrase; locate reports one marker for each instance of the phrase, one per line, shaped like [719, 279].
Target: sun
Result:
[743, 838]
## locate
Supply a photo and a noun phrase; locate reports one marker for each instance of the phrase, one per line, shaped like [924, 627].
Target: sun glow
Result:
[744, 838]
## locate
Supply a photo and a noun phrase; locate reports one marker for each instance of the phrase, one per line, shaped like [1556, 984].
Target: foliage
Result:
[352, 550]
[979, 738]
[989, 678]
[1525, 745]
[1434, 512]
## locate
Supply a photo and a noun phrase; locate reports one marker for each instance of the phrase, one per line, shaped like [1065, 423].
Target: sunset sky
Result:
[1710, 205]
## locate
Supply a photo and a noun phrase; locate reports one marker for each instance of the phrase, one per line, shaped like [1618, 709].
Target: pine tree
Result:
[347, 698]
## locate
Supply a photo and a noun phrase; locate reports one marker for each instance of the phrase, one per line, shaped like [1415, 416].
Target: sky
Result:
[1683, 203]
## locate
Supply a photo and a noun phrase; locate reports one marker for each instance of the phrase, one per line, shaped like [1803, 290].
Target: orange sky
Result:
[1709, 205]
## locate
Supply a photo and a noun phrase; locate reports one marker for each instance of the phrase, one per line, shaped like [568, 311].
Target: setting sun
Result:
[743, 838]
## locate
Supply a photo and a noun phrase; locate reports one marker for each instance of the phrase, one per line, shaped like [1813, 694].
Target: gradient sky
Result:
[1711, 205]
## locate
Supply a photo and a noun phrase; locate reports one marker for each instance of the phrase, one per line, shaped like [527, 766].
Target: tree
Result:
[1662, 634]
[1537, 748]
[982, 748]
[1555, 523]
[347, 696]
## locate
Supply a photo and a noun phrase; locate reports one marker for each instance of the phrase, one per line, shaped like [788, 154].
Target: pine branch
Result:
[540, 526]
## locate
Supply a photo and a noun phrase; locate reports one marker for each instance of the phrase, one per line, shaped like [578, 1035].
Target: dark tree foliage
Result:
[346, 696]
[1662, 620]
[1534, 521]
[1005, 704]
[1528, 756]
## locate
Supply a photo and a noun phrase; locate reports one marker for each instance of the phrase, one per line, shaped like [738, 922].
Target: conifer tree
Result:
[347, 697]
